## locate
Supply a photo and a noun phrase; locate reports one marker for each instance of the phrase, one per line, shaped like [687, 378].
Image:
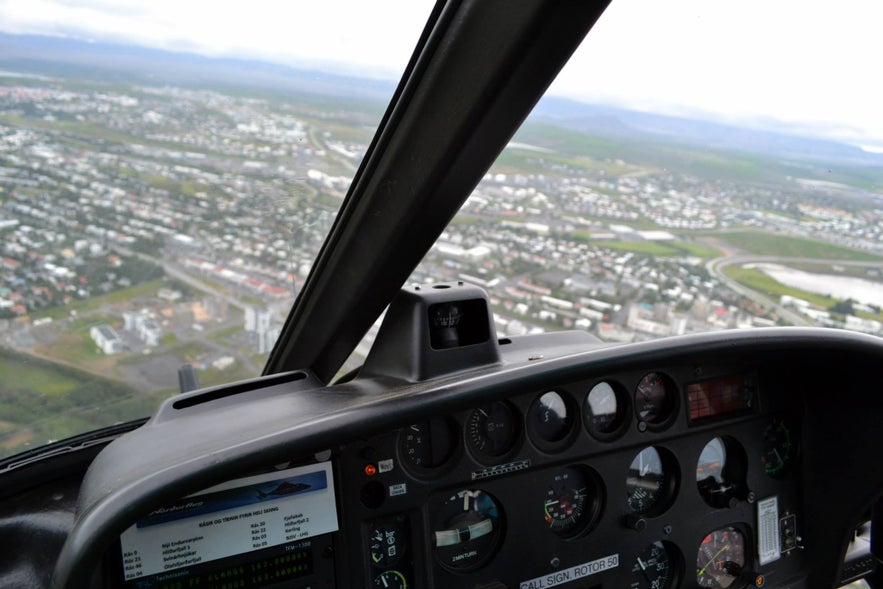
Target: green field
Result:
[117, 296]
[666, 249]
[768, 244]
[763, 283]
[41, 401]
[225, 332]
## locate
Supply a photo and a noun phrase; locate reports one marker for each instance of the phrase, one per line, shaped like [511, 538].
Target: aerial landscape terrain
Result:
[160, 209]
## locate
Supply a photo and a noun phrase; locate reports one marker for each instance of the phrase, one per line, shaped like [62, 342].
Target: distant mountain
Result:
[64, 57]
[71, 58]
[618, 123]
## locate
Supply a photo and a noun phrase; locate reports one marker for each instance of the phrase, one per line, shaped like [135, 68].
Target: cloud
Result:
[379, 35]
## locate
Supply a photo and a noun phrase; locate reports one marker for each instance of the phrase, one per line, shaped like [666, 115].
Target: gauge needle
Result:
[385, 584]
[644, 571]
[711, 560]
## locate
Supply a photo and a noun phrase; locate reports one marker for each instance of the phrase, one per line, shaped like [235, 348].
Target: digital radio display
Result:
[720, 396]
[252, 532]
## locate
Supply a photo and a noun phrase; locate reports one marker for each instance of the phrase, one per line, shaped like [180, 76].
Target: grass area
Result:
[28, 375]
[763, 283]
[94, 303]
[694, 249]
[188, 351]
[75, 345]
[768, 244]
[225, 332]
[41, 401]
[668, 249]
[650, 248]
[569, 141]
[519, 160]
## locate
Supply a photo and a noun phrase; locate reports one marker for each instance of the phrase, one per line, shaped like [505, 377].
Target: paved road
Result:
[716, 266]
[175, 272]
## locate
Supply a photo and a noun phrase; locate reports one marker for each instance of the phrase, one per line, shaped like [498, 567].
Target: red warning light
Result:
[370, 470]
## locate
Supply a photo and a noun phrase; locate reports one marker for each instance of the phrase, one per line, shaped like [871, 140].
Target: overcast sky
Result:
[808, 62]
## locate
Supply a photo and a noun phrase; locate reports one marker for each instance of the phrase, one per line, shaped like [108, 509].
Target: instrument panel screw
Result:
[555, 562]
[667, 529]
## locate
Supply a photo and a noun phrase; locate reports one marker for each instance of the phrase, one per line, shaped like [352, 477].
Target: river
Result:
[838, 287]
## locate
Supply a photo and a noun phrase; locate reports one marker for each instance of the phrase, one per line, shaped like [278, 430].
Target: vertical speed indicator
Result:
[573, 501]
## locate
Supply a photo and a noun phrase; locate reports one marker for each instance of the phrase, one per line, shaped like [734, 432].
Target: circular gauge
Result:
[466, 529]
[492, 430]
[655, 398]
[549, 419]
[721, 558]
[649, 482]
[573, 501]
[391, 580]
[720, 472]
[428, 445]
[711, 461]
[653, 568]
[386, 543]
[605, 410]
[778, 449]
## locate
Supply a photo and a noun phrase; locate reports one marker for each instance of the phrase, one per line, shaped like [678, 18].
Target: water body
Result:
[838, 287]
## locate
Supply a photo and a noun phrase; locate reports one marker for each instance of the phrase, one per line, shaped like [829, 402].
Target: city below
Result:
[148, 226]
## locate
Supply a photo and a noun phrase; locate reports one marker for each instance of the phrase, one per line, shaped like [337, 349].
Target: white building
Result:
[143, 323]
[107, 339]
[257, 319]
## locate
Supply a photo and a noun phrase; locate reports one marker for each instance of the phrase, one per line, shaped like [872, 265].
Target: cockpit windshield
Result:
[694, 167]
[168, 172]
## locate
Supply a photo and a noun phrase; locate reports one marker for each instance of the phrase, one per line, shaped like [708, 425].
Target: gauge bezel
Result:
[747, 541]
[493, 546]
[676, 562]
[387, 571]
[670, 483]
[672, 396]
[541, 443]
[788, 464]
[592, 513]
[734, 471]
[432, 472]
[486, 458]
[623, 412]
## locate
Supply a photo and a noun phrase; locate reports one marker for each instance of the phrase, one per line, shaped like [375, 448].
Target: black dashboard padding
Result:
[200, 448]
[33, 527]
